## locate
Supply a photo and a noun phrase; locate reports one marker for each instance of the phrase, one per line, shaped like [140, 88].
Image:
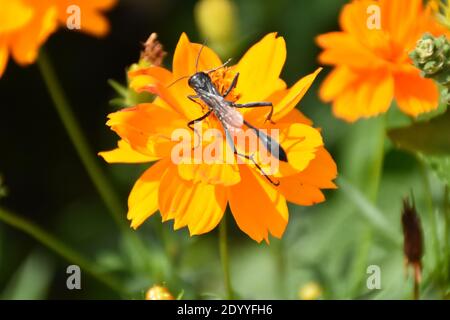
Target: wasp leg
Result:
[257, 105]
[193, 97]
[251, 158]
[232, 85]
[192, 123]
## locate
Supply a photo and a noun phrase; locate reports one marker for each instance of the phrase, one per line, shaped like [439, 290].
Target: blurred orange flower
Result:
[196, 195]
[158, 293]
[371, 65]
[26, 24]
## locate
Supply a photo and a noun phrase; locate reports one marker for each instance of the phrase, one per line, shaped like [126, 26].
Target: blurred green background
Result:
[330, 244]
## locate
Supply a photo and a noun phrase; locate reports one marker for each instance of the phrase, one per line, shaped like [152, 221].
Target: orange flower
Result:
[158, 293]
[26, 24]
[196, 194]
[372, 66]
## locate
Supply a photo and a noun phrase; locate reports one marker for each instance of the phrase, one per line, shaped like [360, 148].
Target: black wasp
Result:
[230, 118]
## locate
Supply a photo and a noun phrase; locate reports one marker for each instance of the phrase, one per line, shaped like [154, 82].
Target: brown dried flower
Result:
[413, 242]
[153, 52]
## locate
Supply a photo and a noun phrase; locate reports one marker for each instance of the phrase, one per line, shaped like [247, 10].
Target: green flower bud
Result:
[425, 49]
[432, 57]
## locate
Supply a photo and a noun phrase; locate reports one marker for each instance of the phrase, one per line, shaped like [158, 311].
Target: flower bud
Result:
[310, 291]
[432, 57]
[158, 293]
[413, 242]
[217, 22]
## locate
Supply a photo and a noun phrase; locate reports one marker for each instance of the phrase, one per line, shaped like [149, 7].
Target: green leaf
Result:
[440, 165]
[371, 213]
[430, 137]
[180, 295]
[32, 279]
[119, 88]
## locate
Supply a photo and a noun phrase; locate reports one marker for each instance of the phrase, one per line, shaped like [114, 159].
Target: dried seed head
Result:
[153, 52]
[158, 293]
[413, 239]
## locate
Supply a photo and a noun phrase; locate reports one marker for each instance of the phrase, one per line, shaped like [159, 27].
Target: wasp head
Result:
[199, 81]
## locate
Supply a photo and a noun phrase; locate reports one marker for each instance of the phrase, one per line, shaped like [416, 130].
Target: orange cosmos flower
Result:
[372, 66]
[26, 24]
[196, 194]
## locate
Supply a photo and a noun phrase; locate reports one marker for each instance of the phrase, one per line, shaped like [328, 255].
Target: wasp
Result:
[228, 115]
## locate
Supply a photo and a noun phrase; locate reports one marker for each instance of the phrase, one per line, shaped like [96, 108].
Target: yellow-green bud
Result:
[217, 21]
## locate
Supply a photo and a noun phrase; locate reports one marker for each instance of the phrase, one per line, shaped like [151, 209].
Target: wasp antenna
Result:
[184, 77]
[220, 67]
[198, 57]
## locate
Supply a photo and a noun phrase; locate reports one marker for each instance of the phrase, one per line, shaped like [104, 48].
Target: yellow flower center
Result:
[222, 79]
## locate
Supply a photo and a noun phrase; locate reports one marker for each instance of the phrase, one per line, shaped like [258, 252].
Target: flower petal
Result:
[200, 206]
[369, 95]
[294, 95]
[25, 45]
[414, 94]
[92, 20]
[148, 128]
[4, 55]
[354, 19]
[407, 32]
[125, 154]
[299, 141]
[217, 174]
[143, 199]
[336, 82]
[142, 78]
[257, 206]
[260, 69]
[304, 187]
[295, 116]
[344, 49]
[14, 15]
[186, 55]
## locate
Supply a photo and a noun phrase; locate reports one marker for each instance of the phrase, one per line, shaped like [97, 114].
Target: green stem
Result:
[78, 139]
[447, 234]
[377, 169]
[279, 251]
[86, 155]
[375, 181]
[431, 216]
[58, 247]
[224, 257]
